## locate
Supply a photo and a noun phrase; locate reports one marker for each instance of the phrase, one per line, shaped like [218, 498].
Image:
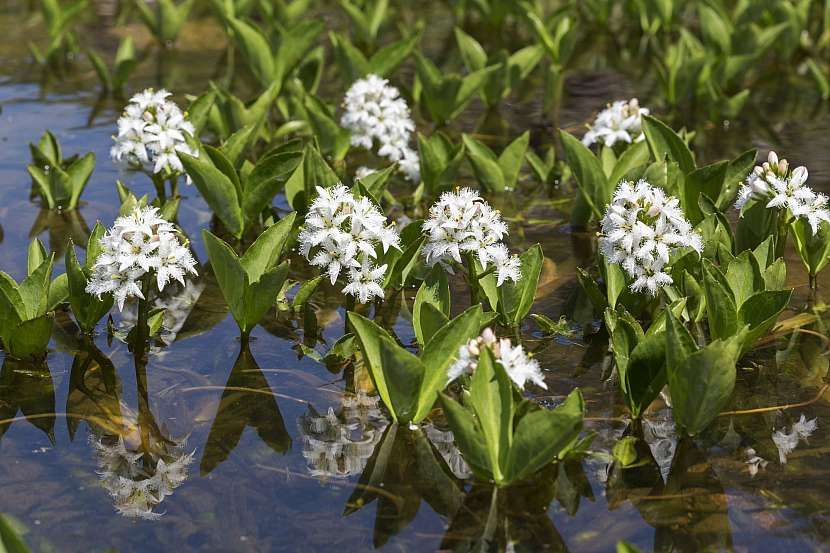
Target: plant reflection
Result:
[61, 226]
[27, 387]
[404, 469]
[339, 445]
[514, 518]
[246, 401]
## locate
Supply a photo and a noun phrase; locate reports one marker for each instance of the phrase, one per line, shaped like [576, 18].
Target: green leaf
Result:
[441, 352]
[10, 540]
[679, 341]
[706, 180]
[760, 311]
[266, 180]
[87, 308]
[369, 335]
[736, 172]
[388, 58]
[812, 248]
[434, 292]
[217, 190]
[31, 337]
[664, 142]
[589, 285]
[403, 373]
[230, 275]
[255, 49]
[645, 373]
[264, 253]
[295, 41]
[261, 295]
[472, 53]
[542, 434]
[485, 164]
[588, 173]
[744, 277]
[702, 384]
[635, 155]
[516, 298]
[510, 159]
[78, 176]
[491, 394]
[721, 310]
[468, 436]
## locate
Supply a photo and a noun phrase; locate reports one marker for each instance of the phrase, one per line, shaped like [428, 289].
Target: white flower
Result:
[754, 462]
[460, 223]
[137, 244]
[152, 130]
[784, 189]
[620, 121]
[787, 441]
[520, 367]
[641, 229]
[344, 235]
[376, 114]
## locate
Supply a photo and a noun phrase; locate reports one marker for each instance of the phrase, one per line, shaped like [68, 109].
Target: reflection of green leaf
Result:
[404, 469]
[246, 401]
[94, 393]
[28, 387]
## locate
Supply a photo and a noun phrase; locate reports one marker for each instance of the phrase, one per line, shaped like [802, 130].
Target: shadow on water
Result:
[139, 416]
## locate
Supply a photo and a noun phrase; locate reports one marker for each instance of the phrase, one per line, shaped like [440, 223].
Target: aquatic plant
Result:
[27, 308]
[516, 363]
[343, 233]
[60, 182]
[375, 112]
[250, 283]
[165, 19]
[152, 132]
[621, 121]
[113, 80]
[139, 250]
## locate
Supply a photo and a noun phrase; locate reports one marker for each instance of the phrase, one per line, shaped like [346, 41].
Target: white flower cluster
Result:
[151, 132]
[462, 222]
[782, 188]
[343, 233]
[754, 462]
[620, 121]
[376, 111]
[137, 244]
[787, 441]
[642, 228]
[516, 363]
[135, 487]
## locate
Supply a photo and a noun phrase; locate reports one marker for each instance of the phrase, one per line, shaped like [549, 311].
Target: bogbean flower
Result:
[139, 243]
[516, 363]
[136, 480]
[621, 121]
[343, 234]
[784, 189]
[375, 113]
[151, 132]
[787, 441]
[641, 229]
[461, 222]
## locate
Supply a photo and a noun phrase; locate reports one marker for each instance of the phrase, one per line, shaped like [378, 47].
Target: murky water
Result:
[290, 455]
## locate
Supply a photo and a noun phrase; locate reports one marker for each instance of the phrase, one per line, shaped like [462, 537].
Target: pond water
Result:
[291, 455]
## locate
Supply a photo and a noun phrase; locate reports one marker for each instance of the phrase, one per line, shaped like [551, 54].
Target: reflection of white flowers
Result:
[461, 222]
[787, 441]
[139, 481]
[177, 301]
[517, 364]
[345, 234]
[754, 462]
[151, 132]
[784, 189]
[619, 122]
[642, 228]
[374, 112]
[139, 243]
[339, 446]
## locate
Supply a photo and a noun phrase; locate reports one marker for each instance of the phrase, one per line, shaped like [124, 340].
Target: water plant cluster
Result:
[339, 166]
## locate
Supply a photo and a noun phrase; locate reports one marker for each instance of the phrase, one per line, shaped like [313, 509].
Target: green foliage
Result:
[250, 283]
[496, 174]
[26, 308]
[813, 248]
[408, 384]
[123, 66]
[59, 21]
[165, 19]
[440, 161]
[10, 537]
[58, 181]
[504, 439]
[87, 308]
